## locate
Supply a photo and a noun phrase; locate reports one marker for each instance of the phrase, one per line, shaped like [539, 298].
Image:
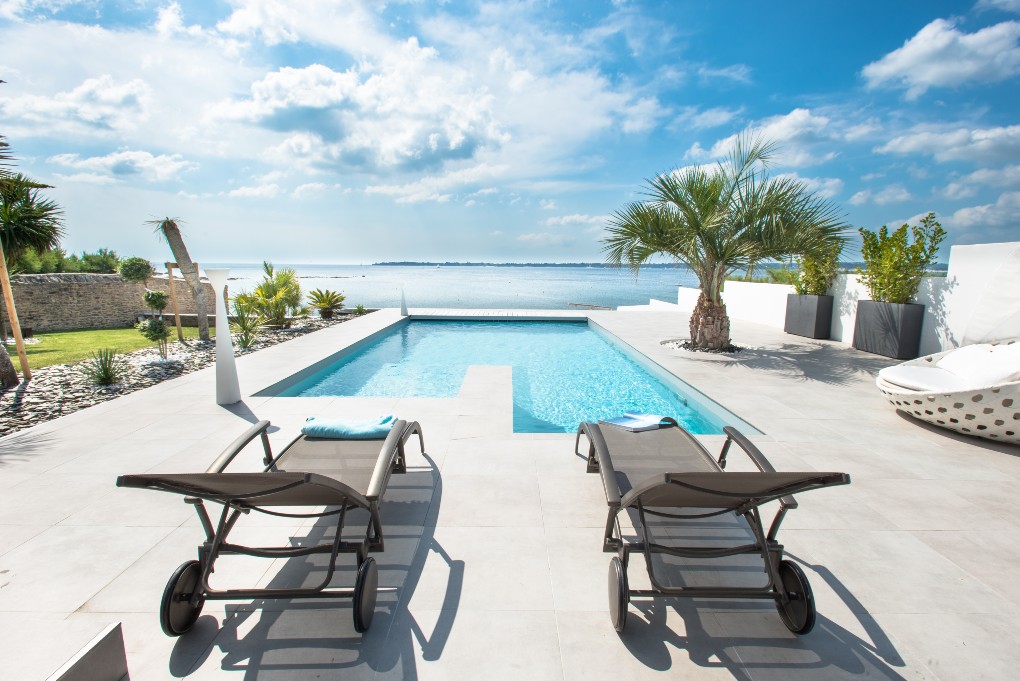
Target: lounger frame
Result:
[341, 500]
[766, 544]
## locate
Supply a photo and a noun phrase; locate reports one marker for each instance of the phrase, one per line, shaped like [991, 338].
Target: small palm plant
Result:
[104, 368]
[326, 302]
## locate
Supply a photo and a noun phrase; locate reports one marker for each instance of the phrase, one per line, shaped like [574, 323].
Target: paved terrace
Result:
[494, 538]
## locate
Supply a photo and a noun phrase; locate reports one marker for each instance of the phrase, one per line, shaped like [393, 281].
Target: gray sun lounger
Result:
[668, 474]
[340, 475]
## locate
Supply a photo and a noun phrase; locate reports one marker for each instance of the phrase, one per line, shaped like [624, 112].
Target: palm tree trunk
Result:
[710, 326]
[190, 274]
[8, 374]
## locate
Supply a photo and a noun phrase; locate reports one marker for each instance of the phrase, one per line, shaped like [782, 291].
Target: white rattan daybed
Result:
[974, 389]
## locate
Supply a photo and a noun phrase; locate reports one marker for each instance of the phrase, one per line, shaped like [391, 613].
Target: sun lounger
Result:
[667, 474]
[309, 474]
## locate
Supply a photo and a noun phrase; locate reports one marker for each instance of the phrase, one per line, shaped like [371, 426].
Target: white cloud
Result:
[987, 145]
[968, 185]
[575, 219]
[1001, 214]
[126, 164]
[546, 238]
[941, 56]
[824, 187]
[804, 139]
[547, 204]
[1004, 5]
[895, 193]
[861, 197]
[438, 188]
[311, 190]
[100, 105]
[262, 191]
[737, 73]
[693, 118]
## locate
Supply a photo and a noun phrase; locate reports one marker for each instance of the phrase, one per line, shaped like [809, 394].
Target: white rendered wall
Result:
[949, 301]
[759, 303]
[687, 298]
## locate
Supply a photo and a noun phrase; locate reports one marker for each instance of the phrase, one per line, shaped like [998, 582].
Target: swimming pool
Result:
[563, 373]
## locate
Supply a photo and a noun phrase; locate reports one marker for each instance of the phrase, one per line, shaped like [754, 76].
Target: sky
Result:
[354, 131]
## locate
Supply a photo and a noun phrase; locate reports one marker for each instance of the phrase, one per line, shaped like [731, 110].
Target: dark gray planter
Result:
[889, 329]
[809, 316]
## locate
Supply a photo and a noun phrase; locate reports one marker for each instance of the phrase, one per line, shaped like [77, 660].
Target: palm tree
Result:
[720, 220]
[27, 221]
[172, 233]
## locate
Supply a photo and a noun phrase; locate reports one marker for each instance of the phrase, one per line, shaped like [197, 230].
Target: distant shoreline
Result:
[514, 264]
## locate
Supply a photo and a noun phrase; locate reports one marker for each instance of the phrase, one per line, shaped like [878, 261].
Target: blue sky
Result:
[359, 131]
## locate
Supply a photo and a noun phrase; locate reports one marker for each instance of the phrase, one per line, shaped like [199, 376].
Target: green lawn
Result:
[63, 347]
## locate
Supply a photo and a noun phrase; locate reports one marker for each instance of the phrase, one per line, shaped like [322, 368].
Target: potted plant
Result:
[889, 324]
[326, 302]
[809, 310]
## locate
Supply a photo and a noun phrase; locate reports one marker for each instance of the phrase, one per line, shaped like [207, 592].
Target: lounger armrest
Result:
[392, 446]
[224, 459]
[750, 449]
[604, 461]
[757, 457]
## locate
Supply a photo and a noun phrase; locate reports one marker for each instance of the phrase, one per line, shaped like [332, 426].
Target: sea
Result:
[529, 286]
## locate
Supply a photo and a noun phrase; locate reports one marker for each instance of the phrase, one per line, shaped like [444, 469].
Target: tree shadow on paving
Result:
[19, 447]
[308, 638]
[822, 363]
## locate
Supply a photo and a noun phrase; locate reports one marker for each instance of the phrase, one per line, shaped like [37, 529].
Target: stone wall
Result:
[55, 302]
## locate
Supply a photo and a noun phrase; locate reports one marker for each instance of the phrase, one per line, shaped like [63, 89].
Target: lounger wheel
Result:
[365, 586]
[619, 594]
[177, 614]
[799, 613]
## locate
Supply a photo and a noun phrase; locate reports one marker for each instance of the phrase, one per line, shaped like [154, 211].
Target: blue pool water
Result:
[563, 373]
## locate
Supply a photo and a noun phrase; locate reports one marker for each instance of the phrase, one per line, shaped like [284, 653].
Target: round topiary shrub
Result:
[136, 269]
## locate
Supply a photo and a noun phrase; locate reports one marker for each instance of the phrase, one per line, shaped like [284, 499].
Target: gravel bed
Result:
[63, 388]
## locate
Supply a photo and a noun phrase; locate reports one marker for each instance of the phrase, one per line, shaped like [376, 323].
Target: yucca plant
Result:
[360, 310]
[247, 325]
[104, 368]
[326, 302]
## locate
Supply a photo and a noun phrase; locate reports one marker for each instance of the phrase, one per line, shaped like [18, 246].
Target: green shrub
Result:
[326, 302]
[893, 266]
[818, 272]
[136, 269]
[158, 332]
[781, 275]
[277, 296]
[103, 261]
[156, 300]
[104, 368]
[360, 310]
[247, 323]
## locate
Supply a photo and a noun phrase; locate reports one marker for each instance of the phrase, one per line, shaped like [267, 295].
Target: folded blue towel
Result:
[340, 429]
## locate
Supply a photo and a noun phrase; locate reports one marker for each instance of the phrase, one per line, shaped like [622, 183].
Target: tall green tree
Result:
[28, 221]
[171, 231]
[720, 220]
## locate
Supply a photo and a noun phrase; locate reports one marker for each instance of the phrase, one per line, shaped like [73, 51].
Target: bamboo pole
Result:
[12, 314]
[173, 299]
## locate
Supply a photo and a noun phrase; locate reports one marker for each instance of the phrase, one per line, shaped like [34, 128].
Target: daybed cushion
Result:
[924, 379]
[984, 365]
[968, 368]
